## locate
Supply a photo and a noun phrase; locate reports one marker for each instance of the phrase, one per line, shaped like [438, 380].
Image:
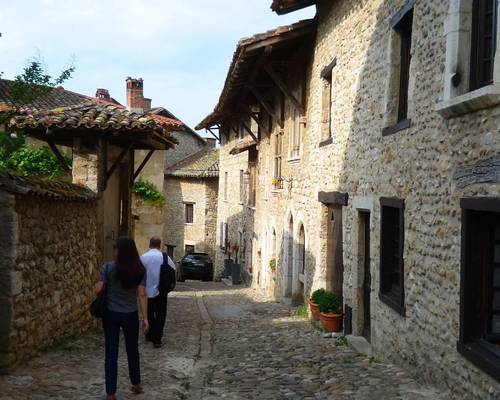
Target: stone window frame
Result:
[398, 26]
[326, 103]
[186, 204]
[458, 99]
[393, 298]
[472, 344]
[226, 178]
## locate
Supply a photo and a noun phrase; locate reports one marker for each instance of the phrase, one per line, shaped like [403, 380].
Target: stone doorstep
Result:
[360, 344]
[227, 281]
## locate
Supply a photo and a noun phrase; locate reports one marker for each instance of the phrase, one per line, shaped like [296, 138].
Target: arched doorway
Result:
[288, 264]
[301, 262]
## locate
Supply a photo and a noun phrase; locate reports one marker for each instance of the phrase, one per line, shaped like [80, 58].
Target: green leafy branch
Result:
[148, 192]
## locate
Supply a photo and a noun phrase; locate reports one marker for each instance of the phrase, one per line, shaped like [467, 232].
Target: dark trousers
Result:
[112, 323]
[157, 314]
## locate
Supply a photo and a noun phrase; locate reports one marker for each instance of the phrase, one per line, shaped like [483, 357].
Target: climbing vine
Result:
[148, 192]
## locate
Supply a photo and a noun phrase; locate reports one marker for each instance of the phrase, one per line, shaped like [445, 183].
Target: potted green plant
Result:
[330, 307]
[314, 303]
[272, 264]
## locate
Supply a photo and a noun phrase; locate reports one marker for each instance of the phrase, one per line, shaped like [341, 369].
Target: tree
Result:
[15, 154]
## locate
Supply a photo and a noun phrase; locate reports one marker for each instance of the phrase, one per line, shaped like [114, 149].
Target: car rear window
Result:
[198, 257]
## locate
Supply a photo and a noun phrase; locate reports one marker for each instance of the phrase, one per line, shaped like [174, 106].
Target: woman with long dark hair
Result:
[125, 283]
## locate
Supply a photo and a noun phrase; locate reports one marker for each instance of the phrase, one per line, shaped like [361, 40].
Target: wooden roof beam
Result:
[284, 88]
[264, 103]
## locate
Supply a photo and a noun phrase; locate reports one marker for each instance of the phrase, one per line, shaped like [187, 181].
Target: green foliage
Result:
[341, 342]
[15, 155]
[272, 264]
[32, 161]
[302, 312]
[317, 295]
[35, 82]
[329, 302]
[148, 192]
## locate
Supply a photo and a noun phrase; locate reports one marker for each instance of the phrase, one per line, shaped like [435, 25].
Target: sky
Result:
[181, 48]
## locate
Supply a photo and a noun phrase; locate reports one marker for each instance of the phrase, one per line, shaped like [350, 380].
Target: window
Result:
[404, 29]
[326, 75]
[480, 283]
[483, 43]
[278, 147]
[189, 213]
[225, 185]
[242, 186]
[188, 249]
[295, 136]
[223, 235]
[170, 250]
[396, 114]
[253, 158]
[241, 131]
[391, 253]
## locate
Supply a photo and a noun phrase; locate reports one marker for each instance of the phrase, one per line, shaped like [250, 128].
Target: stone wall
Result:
[423, 164]
[188, 144]
[48, 270]
[200, 234]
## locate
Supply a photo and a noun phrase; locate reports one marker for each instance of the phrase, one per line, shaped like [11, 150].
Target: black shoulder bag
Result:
[167, 277]
[98, 306]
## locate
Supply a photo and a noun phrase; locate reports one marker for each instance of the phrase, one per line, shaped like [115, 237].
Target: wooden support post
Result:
[213, 134]
[59, 156]
[102, 164]
[117, 163]
[284, 88]
[255, 117]
[143, 164]
[247, 128]
[263, 102]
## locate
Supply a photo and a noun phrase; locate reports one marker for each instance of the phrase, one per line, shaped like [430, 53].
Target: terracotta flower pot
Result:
[314, 310]
[332, 322]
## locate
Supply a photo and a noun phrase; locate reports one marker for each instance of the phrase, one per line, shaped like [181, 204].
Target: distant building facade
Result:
[191, 189]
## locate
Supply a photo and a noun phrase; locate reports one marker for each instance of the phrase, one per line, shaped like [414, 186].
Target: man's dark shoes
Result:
[148, 338]
[137, 389]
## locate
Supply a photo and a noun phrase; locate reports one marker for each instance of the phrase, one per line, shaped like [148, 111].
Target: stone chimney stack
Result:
[102, 94]
[136, 102]
[211, 142]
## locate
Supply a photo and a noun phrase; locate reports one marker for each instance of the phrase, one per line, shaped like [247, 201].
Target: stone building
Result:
[52, 230]
[191, 189]
[389, 194]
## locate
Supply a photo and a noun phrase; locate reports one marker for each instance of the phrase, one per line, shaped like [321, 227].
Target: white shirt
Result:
[152, 261]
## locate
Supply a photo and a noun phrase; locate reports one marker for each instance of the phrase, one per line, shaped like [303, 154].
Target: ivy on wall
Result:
[148, 192]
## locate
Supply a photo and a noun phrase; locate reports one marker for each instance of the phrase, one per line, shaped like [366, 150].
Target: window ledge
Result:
[293, 160]
[476, 100]
[388, 300]
[326, 142]
[481, 357]
[400, 126]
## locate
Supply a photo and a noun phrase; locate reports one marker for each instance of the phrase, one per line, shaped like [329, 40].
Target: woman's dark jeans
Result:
[112, 323]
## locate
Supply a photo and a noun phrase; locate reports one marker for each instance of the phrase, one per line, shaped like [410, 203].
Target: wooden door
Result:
[367, 277]
[335, 262]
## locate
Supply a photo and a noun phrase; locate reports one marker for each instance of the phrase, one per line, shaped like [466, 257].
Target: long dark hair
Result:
[129, 268]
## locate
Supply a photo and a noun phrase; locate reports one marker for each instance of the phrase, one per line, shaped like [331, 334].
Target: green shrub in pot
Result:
[330, 303]
[317, 295]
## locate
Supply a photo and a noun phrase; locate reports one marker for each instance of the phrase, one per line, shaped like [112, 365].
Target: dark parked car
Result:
[195, 266]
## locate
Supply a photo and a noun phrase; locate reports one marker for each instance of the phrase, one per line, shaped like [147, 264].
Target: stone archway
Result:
[288, 260]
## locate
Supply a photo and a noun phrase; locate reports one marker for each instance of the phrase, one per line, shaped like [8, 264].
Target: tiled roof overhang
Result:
[56, 190]
[204, 164]
[245, 58]
[60, 115]
[281, 7]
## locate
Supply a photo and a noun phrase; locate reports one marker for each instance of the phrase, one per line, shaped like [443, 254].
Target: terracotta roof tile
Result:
[204, 164]
[42, 187]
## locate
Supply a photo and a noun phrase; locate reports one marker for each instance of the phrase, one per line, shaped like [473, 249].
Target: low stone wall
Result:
[48, 267]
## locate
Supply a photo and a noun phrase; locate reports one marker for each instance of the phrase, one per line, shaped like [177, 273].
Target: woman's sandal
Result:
[137, 389]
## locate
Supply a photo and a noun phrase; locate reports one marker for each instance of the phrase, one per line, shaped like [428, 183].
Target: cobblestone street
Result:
[222, 343]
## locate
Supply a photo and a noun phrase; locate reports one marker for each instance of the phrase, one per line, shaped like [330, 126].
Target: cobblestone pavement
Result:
[222, 343]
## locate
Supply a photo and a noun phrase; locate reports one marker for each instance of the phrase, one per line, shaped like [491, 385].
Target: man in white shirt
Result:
[157, 302]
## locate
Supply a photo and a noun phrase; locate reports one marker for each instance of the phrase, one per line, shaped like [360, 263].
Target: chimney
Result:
[135, 96]
[103, 94]
[211, 142]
